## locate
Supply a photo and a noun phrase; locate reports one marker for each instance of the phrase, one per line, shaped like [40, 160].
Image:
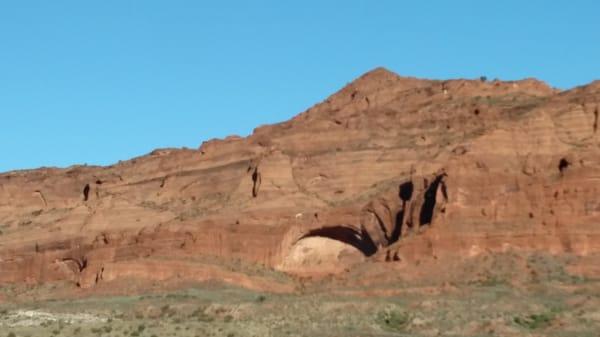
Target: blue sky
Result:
[99, 81]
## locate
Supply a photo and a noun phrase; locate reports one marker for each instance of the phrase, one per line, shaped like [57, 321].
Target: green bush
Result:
[393, 320]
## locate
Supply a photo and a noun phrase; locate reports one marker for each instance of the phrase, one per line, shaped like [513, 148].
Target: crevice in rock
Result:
[381, 225]
[359, 240]
[256, 180]
[389, 257]
[563, 164]
[426, 215]
[397, 232]
[102, 238]
[595, 120]
[99, 276]
[86, 192]
[405, 193]
[81, 265]
[406, 190]
[42, 197]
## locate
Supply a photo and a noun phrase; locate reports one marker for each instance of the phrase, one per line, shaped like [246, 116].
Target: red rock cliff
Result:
[387, 168]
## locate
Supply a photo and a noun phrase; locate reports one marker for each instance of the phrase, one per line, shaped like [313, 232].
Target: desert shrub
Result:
[201, 315]
[11, 334]
[393, 320]
[166, 310]
[535, 321]
[261, 298]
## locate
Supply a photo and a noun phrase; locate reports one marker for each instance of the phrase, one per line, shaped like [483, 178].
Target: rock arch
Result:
[328, 249]
[359, 240]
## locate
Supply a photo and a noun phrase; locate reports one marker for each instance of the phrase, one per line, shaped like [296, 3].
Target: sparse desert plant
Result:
[535, 321]
[11, 334]
[166, 310]
[393, 320]
[201, 315]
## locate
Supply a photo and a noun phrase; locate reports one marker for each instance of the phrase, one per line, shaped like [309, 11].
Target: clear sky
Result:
[98, 81]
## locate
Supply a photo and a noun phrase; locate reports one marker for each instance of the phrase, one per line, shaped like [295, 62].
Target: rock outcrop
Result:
[387, 169]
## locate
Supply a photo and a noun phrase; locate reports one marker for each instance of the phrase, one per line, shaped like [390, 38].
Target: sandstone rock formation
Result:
[387, 169]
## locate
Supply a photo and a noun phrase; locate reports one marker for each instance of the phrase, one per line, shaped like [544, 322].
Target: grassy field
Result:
[493, 295]
[484, 309]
